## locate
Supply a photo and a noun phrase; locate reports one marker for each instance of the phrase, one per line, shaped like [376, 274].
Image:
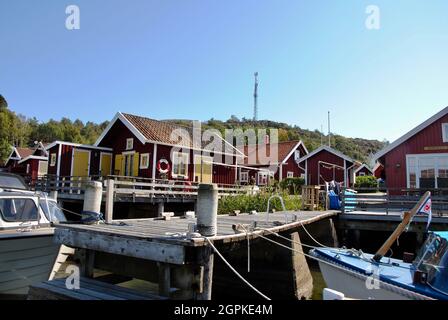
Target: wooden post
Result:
[164, 279]
[205, 260]
[109, 200]
[160, 208]
[87, 263]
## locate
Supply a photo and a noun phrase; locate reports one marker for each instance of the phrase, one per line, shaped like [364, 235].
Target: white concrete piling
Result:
[207, 209]
[93, 196]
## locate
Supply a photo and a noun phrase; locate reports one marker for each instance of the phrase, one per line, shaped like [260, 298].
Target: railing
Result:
[125, 186]
[392, 199]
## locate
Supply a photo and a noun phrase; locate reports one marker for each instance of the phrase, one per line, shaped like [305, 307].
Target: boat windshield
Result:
[433, 260]
[52, 211]
[18, 209]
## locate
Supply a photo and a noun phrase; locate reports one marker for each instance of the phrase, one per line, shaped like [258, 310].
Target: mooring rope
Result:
[236, 272]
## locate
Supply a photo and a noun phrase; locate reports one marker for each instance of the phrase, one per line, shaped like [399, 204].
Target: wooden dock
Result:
[161, 251]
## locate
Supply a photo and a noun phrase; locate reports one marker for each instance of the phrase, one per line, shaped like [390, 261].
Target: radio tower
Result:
[256, 97]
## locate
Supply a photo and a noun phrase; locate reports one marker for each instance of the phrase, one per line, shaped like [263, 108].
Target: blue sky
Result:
[195, 59]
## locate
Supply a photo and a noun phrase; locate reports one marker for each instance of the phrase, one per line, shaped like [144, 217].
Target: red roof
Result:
[25, 152]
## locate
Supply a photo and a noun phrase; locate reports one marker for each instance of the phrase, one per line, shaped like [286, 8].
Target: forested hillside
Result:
[18, 130]
[357, 148]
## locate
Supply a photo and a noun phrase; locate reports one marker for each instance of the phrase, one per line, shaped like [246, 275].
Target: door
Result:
[80, 165]
[203, 169]
[131, 162]
[106, 164]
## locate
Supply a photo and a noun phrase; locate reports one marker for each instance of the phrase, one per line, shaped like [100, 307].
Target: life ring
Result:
[163, 163]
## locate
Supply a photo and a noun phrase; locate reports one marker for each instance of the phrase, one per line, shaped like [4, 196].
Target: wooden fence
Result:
[130, 187]
[392, 200]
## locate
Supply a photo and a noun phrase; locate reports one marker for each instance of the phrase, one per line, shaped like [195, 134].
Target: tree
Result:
[3, 103]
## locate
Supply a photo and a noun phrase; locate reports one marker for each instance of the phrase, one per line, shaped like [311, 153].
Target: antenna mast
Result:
[329, 131]
[256, 97]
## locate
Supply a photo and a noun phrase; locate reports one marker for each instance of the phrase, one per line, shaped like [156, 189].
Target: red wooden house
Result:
[418, 159]
[30, 163]
[363, 170]
[326, 164]
[67, 159]
[378, 171]
[283, 166]
[16, 155]
[144, 147]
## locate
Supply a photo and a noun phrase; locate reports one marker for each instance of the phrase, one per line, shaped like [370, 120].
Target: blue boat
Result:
[359, 276]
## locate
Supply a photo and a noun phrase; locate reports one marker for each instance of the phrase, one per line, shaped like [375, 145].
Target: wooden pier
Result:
[163, 252]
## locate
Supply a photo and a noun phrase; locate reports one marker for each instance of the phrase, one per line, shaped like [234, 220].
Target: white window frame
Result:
[39, 171]
[260, 176]
[445, 132]
[362, 174]
[417, 177]
[244, 177]
[53, 157]
[290, 174]
[28, 167]
[142, 156]
[186, 160]
[129, 143]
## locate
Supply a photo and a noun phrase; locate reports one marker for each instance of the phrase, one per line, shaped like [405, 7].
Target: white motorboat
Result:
[28, 254]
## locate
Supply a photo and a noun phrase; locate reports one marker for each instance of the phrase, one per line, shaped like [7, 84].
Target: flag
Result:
[426, 208]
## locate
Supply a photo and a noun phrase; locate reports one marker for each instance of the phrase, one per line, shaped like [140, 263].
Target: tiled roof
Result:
[283, 150]
[25, 152]
[162, 131]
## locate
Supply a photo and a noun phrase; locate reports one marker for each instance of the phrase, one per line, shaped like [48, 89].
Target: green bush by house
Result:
[292, 185]
[366, 182]
[247, 203]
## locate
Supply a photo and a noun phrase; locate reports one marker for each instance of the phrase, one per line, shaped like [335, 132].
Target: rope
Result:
[236, 272]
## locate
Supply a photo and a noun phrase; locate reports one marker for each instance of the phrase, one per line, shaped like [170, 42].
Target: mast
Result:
[256, 97]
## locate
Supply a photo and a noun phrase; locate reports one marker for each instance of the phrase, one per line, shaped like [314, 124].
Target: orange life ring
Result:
[165, 163]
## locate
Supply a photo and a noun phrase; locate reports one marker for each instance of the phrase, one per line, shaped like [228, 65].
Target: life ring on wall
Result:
[163, 166]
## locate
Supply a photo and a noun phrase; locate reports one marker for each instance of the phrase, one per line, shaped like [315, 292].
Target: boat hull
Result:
[26, 260]
[354, 286]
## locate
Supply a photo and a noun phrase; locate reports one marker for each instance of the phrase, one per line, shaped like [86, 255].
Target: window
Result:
[180, 164]
[297, 155]
[144, 161]
[427, 171]
[129, 164]
[28, 168]
[362, 174]
[51, 210]
[445, 132]
[52, 159]
[290, 174]
[43, 168]
[18, 210]
[129, 144]
[263, 178]
[244, 176]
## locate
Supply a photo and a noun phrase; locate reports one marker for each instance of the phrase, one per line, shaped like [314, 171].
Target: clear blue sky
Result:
[195, 59]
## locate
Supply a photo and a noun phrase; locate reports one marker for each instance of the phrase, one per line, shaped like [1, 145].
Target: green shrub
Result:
[366, 182]
[292, 185]
[247, 203]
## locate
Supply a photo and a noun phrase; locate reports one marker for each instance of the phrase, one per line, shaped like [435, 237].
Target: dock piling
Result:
[109, 200]
[207, 209]
[93, 196]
